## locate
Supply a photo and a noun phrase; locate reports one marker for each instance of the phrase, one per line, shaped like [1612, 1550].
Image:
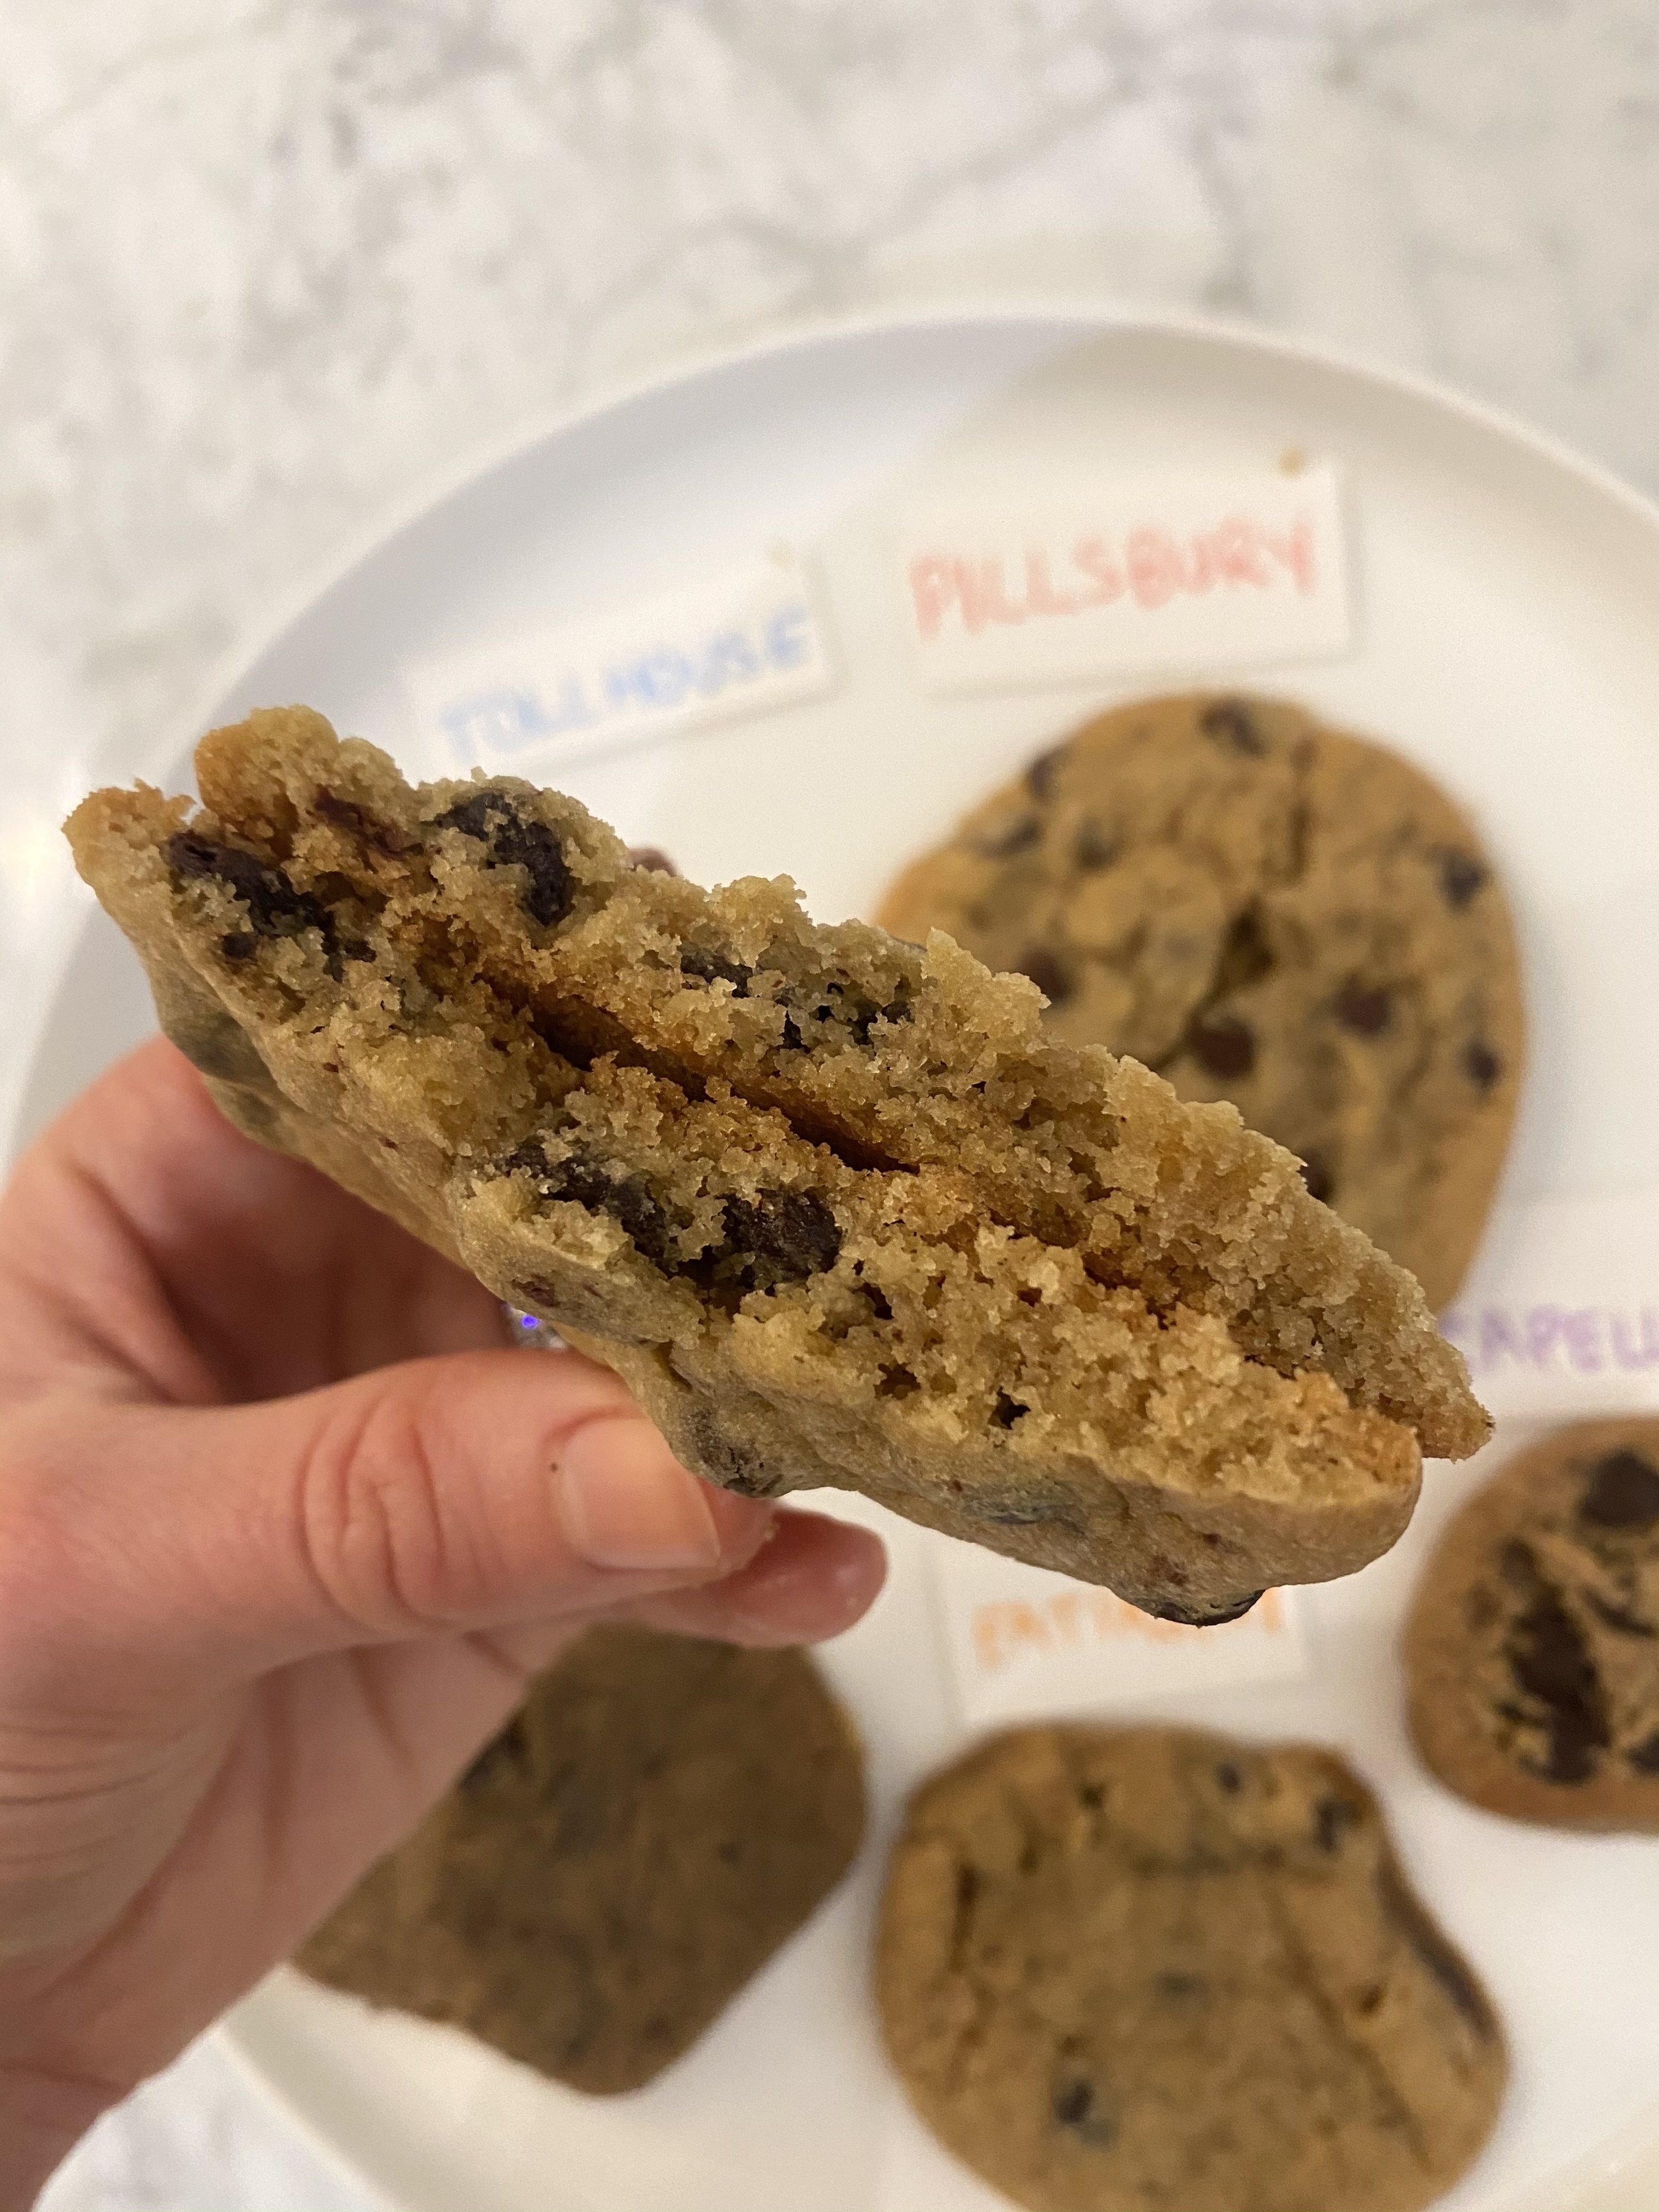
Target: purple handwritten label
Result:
[1542, 1338]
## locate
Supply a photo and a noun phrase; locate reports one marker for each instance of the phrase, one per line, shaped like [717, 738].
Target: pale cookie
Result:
[1152, 1969]
[658, 1818]
[1532, 1650]
[1264, 909]
[835, 1206]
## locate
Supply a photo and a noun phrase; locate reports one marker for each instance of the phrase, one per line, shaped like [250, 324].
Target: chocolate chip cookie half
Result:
[1532, 1647]
[660, 1816]
[1154, 1970]
[835, 1205]
[1264, 909]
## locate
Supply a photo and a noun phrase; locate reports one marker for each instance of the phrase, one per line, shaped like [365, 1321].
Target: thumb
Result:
[438, 1495]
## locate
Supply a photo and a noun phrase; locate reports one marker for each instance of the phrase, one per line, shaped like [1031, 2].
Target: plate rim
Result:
[353, 550]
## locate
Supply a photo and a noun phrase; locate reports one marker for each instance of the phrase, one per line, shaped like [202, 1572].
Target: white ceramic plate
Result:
[1507, 638]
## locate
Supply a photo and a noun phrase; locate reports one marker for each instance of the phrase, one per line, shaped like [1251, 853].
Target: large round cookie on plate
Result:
[1154, 1970]
[1267, 910]
[1532, 1650]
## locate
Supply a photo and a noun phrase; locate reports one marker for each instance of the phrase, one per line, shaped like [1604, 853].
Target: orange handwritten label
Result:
[1134, 573]
[1022, 1642]
[1069, 1619]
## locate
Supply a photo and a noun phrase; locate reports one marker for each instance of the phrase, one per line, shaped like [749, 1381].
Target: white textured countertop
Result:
[270, 266]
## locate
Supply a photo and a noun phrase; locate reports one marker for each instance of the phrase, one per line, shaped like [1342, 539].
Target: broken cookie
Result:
[832, 1204]
[1532, 1651]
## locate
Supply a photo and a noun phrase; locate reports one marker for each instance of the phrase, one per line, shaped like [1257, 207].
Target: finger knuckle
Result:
[376, 1528]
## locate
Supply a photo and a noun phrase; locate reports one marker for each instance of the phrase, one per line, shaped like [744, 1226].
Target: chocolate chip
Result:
[505, 1755]
[1003, 840]
[275, 906]
[1229, 1777]
[348, 815]
[1549, 1660]
[1333, 1818]
[1645, 1757]
[1364, 1008]
[1072, 2101]
[1318, 1177]
[697, 960]
[515, 843]
[583, 1181]
[473, 816]
[1040, 777]
[653, 858]
[727, 1462]
[1403, 1912]
[1229, 722]
[1007, 1410]
[794, 1229]
[1162, 1610]
[1076, 2106]
[264, 890]
[1481, 1065]
[861, 1023]
[238, 945]
[1095, 849]
[1045, 970]
[1461, 877]
[532, 846]
[1246, 956]
[1622, 1492]
[1223, 1044]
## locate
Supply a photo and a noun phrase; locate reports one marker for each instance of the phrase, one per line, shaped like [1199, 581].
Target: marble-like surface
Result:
[271, 267]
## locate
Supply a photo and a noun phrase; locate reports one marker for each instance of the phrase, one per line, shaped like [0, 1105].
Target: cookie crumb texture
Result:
[1265, 911]
[658, 1817]
[1531, 1649]
[1154, 1970]
[835, 1206]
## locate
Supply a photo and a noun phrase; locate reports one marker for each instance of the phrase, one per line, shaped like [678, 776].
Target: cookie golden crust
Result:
[1267, 910]
[1154, 1970]
[1532, 1647]
[658, 1818]
[834, 1204]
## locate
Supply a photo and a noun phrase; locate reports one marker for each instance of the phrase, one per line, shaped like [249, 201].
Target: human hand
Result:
[283, 1527]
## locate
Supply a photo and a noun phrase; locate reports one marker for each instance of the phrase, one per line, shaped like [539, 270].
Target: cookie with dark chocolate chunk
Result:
[1155, 1970]
[836, 1205]
[658, 1817]
[1264, 909]
[1532, 1651]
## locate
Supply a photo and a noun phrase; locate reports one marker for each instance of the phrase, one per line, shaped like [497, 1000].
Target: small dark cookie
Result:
[1532, 1651]
[1264, 910]
[657, 1818]
[1155, 1970]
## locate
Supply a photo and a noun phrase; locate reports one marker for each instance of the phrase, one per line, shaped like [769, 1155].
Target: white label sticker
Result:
[1023, 1642]
[1561, 1313]
[1137, 573]
[748, 640]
